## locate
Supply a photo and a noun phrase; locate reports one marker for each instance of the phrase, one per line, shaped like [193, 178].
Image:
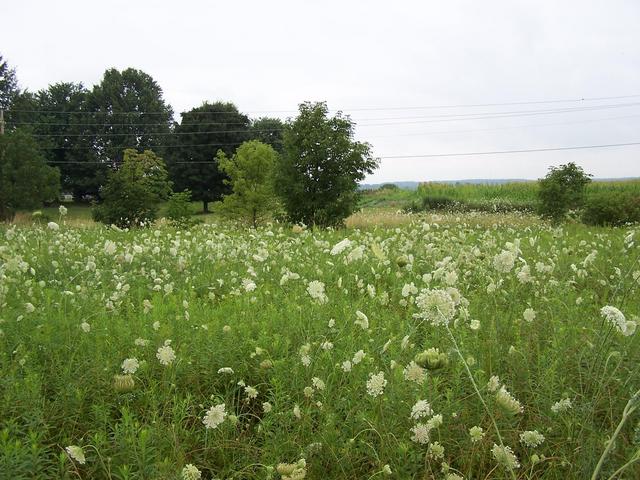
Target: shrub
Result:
[179, 209]
[132, 193]
[431, 202]
[563, 189]
[611, 208]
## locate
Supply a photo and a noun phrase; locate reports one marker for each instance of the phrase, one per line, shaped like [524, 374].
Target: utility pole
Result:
[1, 121]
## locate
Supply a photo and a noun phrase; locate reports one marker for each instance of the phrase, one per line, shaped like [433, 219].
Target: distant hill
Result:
[476, 181]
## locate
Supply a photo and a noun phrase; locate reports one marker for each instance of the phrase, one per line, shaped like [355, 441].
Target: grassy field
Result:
[488, 197]
[442, 346]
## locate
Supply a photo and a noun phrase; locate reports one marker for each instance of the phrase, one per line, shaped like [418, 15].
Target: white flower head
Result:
[166, 355]
[315, 289]
[531, 438]
[215, 416]
[130, 365]
[362, 320]
[561, 405]
[191, 472]
[436, 306]
[422, 408]
[76, 453]
[505, 457]
[376, 384]
[617, 319]
[529, 315]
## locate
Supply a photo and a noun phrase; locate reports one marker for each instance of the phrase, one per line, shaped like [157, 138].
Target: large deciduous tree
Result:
[201, 133]
[66, 129]
[268, 130]
[26, 181]
[129, 112]
[250, 173]
[321, 166]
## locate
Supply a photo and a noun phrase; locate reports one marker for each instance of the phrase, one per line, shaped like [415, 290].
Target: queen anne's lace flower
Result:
[436, 306]
[376, 384]
[362, 320]
[561, 405]
[505, 457]
[420, 434]
[191, 472]
[504, 261]
[422, 408]
[166, 355]
[315, 289]
[414, 373]
[476, 433]
[507, 402]
[76, 453]
[531, 438]
[215, 416]
[617, 319]
[130, 365]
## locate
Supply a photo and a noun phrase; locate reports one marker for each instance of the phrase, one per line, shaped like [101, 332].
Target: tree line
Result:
[84, 135]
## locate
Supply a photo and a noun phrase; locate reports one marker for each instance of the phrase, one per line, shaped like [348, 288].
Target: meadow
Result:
[469, 346]
[490, 197]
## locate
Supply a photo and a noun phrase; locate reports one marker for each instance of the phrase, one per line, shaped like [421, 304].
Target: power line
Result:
[421, 134]
[429, 155]
[502, 152]
[432, 119]
[513, 127]
[426, 107]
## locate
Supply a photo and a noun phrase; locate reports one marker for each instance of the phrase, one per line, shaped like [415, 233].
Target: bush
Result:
[132, 193]
[179, 209]
[430, 202]
[563, 189]
[611, 208]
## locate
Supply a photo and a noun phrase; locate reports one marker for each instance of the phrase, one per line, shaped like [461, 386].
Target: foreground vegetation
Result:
[464, 346]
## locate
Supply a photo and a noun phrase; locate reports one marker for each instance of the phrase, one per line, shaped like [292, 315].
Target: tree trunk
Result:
[205, 206]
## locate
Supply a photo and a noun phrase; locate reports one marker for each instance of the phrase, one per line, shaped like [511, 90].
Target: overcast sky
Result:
[268, 56]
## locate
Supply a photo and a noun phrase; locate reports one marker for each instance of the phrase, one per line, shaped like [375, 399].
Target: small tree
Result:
[133, 192]
[179, 209]
[563, 189]
[26, 181]
[250, 173]
[321, 166]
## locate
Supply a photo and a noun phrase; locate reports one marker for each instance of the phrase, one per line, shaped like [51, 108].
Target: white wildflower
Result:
[505, 457]
[166, 355]
[561, 405]
[362, 321]
[531, 438]
[130, 365]
[215, 416]
[422, 408]
[76, 453]
[315, 289]
[376, 384]
[191, 472]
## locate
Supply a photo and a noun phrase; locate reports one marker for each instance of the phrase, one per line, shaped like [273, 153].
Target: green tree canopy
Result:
[202, 132]
[26, 181]
[250, 173]
[563, 189]
[268, 130]
[65, 130]
[8, 84]
[133, 192]
[129, 112]
[321, 166]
